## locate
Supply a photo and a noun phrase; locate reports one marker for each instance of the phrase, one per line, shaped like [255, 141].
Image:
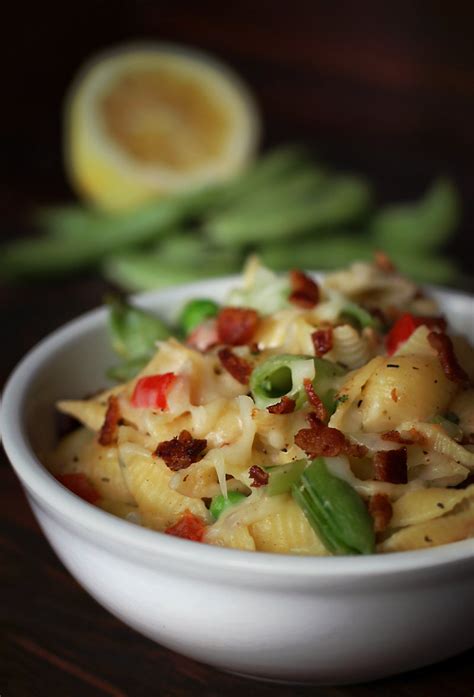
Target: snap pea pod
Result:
[354, 313]
[133, 331]
[318, 252]
[137, 271]
[334, 510]
[343, 199]
[423, 225]
[101, 236]
[265, 173]
[220, 503]
[279, 376]
[327, 381]
[195, 312]
[282, 477]
[67, 221]
[297, 187]
[284, 375]
[127, 369]
[426, 269]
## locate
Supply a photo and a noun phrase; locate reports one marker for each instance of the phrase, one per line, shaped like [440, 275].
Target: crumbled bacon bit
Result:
[258, 476]
[304, 291]
[380, 509]
[284, 406]
[391, 466]
[394, 394]
[236, 325]
[108, 432]
[181, 451]
[443, 346]
[314, 399]
[395, 437]
[383, 262]
[320, 439]
[238, 367]
[468, 439]
[322, 340]
[189, 527]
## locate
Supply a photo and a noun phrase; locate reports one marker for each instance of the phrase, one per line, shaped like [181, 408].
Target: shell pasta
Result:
[295, 417]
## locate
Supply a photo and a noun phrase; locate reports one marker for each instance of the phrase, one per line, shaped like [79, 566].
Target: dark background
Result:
[385, 88]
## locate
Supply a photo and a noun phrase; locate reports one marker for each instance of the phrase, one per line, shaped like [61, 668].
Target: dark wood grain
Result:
[386, 88]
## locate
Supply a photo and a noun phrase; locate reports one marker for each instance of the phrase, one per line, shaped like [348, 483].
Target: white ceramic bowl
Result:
[305, 619]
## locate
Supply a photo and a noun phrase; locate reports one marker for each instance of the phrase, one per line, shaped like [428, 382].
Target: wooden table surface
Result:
[386, 90]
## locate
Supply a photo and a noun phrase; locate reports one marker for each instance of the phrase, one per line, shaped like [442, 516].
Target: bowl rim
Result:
[36, 478]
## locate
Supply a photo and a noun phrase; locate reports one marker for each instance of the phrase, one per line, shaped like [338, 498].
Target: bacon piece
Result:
[443, 346]
[314, 399]
[238, 367]
[395, 437]
[236, 325]
[391, 466]
[468, 439]
[320, 439]
[394, 394]
[258, 475]
[322, 341]
[189, 527]
[284, 406]
[181, 451]
[304, 291]
[79, 484]
[380, 509]
[383, 262]
[108, 432]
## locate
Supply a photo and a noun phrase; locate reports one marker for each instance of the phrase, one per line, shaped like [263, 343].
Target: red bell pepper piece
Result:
[79, 485]
[406, 325]
[189, 527]
[151, 391]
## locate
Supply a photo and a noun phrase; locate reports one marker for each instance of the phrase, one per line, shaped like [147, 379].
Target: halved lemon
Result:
[150, 120]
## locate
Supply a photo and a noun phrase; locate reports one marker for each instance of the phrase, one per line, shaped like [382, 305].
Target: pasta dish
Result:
[300, 417]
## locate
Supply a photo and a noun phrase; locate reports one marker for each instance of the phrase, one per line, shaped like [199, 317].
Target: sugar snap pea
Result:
[281, 375]
[317, 252]
[137, 271]
[423, 225]
[327, 380]
[356, 314]
[133, 331]
[282, 477]
[335, 511]
[127, 369]
[342, 199]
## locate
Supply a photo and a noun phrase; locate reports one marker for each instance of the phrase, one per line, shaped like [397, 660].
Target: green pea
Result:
[334, 510]
[220, 503]
[195, 312]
